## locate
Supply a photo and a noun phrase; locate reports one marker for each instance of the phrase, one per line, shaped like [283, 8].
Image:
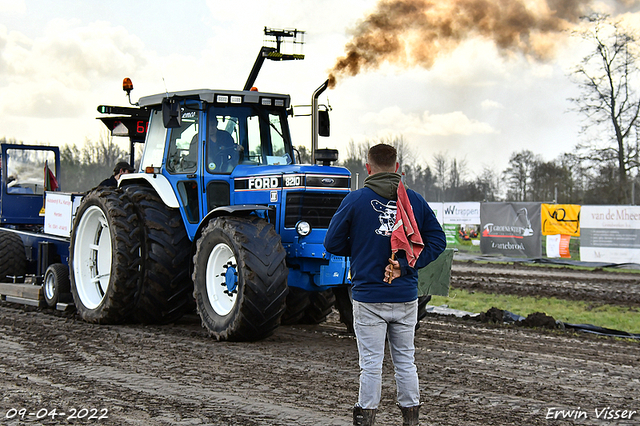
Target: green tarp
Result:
[434, 278]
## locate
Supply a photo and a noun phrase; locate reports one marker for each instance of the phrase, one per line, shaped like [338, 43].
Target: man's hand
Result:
[392, 271]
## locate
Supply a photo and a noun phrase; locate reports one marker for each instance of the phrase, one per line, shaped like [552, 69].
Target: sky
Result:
[474, 102]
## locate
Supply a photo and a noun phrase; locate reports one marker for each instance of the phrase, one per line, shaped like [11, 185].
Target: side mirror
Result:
[323, 123]
[171, 114]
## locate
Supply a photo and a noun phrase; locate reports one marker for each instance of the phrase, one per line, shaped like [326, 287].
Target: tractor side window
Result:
[30, 171]
[183, 145]
[154, 144]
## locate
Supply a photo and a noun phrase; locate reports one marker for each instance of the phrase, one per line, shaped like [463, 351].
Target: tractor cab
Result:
[216, 149]
[27, 172]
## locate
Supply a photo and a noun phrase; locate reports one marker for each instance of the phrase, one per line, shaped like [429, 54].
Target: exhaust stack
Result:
[314, 119]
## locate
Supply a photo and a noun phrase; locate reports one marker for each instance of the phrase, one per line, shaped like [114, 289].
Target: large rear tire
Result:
[240, 278]
[307, 307]
[297, 304]
[104, 257]
[166, 293]
[422, 308]
[320, 306]
[13, 258]
[344, 306]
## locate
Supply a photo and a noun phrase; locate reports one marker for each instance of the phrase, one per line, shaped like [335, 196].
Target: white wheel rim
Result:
[50, 286]
[220, 282]
[92, 257]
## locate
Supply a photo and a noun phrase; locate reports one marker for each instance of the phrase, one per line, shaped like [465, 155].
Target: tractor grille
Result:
[315, 208]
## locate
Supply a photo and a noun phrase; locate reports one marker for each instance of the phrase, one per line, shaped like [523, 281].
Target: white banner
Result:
[610, 234]
[553, 245]
[438, 209]
[57, 214]
[621, 217]
[467, 213]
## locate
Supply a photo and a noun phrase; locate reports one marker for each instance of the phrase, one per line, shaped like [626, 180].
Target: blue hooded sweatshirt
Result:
[361, 229]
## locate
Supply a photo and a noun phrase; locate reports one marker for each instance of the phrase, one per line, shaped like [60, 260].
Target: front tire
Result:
[104, 257]
[56, 287]
[240, 278]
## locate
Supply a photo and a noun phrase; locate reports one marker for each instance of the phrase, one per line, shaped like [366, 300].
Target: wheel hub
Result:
[230, 279]
[222, 279]
[50, 286]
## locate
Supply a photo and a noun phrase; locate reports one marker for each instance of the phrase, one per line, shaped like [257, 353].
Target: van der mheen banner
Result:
[610, 234]
[511, 229]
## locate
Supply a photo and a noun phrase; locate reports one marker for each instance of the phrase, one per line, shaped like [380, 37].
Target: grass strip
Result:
[615, 317]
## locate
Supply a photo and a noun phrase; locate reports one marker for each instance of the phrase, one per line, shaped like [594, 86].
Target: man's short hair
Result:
[383, 156]
[122, 165]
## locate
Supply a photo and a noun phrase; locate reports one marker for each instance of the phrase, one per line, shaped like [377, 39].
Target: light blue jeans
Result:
[374, 323]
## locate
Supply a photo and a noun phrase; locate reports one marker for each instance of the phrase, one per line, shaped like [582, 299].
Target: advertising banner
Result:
[561, 219]
[438, 210]
[511, 229]
[57, 216]
[467, 213]
[450, 232]
[610, 234]
[558, 245]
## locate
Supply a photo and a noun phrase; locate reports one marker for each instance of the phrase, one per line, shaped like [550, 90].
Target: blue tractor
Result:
[221, 216]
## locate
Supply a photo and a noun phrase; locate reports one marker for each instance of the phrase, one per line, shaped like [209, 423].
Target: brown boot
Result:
[410, 415]
[364, 417]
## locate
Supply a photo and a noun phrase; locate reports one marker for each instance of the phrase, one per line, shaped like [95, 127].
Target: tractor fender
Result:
[237, 210]
[158, 182]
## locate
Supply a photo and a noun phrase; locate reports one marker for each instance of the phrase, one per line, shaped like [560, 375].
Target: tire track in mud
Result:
[158, 370]
[521, 373]
[470, 373]
[617, 288]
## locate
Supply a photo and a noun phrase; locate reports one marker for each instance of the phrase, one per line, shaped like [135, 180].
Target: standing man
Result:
[385, 291]
[121, 168]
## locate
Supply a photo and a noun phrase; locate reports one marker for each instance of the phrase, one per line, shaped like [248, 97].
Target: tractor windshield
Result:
[246, 135]
[30, 171]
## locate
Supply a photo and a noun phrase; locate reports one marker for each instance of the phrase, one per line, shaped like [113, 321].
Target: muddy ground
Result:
[471, 373]
[612, 287]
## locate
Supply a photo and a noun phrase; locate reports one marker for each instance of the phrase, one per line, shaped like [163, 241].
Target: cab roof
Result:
[231, 97]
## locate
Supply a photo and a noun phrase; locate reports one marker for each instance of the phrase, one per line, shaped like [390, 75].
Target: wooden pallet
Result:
[29, 294]
[25, 294]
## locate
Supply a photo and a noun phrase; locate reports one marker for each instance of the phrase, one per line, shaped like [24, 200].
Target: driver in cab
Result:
[223, 154]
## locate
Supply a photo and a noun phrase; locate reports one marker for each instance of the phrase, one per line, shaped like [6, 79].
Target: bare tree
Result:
[355, 160]
[518, 175]
[83, 168]
[488, 184]
[441, 168]
[406, 155]
[305, 155]
[608, 100]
